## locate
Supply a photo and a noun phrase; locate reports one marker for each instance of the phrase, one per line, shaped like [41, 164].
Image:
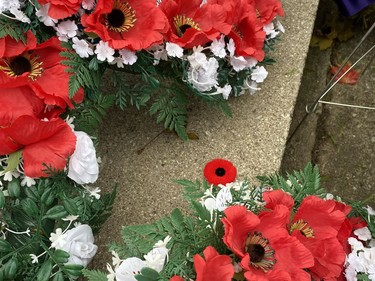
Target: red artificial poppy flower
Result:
[316, 225]
[220, 171]
[37, 66]
[246, 28]
[42, 142]
[60, 9]
[268, 9]
[213, 267]
[192, 24]
[265, 247]
[131, 24]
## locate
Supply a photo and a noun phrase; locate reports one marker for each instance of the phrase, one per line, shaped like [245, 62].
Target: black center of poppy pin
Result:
[220, 172]
[20, 65]
[116, 18]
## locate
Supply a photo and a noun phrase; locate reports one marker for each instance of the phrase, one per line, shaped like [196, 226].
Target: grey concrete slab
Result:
[254, 139]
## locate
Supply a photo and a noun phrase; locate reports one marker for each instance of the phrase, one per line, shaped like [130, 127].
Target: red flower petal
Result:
[60, 9]
[11, 48]
[214, 267]
[15, 102]
[329, 256]
[268, 9]
[321, 216]
[48, 143]
[220, 171]
[210, 18]
[277, 197]
[45, 86]
[238, 222]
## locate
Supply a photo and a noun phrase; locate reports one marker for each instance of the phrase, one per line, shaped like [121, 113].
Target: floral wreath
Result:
[283, 229]
[54, 57]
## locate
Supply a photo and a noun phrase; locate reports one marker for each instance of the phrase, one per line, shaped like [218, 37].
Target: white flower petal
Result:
[128, 268]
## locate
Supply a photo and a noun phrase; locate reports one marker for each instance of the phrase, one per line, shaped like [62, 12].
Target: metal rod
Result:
[347, 105]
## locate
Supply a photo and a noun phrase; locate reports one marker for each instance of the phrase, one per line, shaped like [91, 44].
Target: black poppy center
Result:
[184, 27]
[20, 65]
[116, 18]
[256, 252]
[220, 172]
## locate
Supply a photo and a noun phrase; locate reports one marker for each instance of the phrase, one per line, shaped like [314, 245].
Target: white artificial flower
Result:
[236, 185]
[363, 233]
[111, 276]
[88, 4]
[329, 196]
[58, 239]
[67, 28]
[8, 176]
[218, 47]
[223, 198]
[163, 243]
[155, 259]
[231, 47]
[355, 244]
[270, 31]
[259, 74]
[128, 268]
[93, 191]
[104, 52]
[69, 120]
[80, 245]
[34, 258]
[159, 53]
[251, 62]
[252, 87]
[174, 50]
[82, 48]
[355, 262]
[197, 58]
[118, 61]
[83, 167]
[280, 27]
[369, 210]
[238, 63]
[225, 91]
[367, 257]
[128, 57]
[115, 259]
[19, 15]
[371, 272]
[27, 181]
[350, 273]
[43, 16]
[204, 77]
[70, 218]
[372, 243]
[9, 4]
[210, 204]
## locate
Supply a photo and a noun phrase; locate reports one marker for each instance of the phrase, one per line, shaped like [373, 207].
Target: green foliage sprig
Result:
[28, 216]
